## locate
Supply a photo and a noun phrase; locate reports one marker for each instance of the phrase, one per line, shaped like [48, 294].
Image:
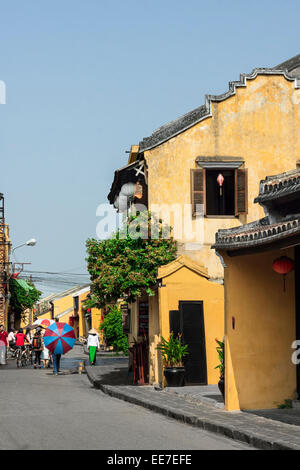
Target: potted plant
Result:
[172, 352]
[221, 366]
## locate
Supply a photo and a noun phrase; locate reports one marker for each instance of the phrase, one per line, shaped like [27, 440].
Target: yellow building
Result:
[5, 246]
[262, 306]
[200, 173]
[68, 307]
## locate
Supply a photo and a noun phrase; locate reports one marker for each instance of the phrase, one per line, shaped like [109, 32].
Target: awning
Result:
[62, 314]
[27, 287]
[131, 173]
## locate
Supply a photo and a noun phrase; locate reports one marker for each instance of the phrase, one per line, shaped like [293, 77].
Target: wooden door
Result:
[193, 334]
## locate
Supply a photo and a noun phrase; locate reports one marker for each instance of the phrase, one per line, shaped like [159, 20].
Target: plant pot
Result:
[174, 376]
[221, 385]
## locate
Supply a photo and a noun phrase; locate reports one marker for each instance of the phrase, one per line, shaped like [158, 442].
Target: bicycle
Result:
[28, 354]
[20, 359]
[24, 356]
[11, 353]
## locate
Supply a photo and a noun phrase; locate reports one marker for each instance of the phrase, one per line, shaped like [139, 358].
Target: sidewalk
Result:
[264, 429]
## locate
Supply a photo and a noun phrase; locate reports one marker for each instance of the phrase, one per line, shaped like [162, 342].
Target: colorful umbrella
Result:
[44, 322]
[59, 338]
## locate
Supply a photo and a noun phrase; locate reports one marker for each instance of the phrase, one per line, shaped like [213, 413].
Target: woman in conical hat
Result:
[93, 345]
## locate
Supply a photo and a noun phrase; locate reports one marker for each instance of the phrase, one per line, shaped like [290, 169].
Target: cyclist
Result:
[20, 341]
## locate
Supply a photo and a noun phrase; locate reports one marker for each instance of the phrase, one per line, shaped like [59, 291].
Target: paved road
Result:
[41, 411]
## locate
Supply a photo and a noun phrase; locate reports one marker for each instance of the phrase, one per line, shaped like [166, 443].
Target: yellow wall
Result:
[260, 123]
[258, 367]
[155, 362]
[186, 284]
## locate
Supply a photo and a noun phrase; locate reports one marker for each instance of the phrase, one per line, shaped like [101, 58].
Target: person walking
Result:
[45, 356]
[28, 336]
[93, 345]
[12, 339]
[37, 346]
[3, 345]
[56, 358]
[56, 363]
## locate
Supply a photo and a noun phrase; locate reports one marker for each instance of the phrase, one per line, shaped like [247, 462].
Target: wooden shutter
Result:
[241, 192]
[198, 189]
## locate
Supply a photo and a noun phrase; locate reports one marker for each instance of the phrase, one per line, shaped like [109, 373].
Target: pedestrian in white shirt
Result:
[93, 345]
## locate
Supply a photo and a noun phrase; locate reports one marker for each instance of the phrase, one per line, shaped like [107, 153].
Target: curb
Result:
[259, 441]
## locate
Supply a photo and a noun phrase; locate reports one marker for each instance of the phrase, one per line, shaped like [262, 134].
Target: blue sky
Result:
[86, 80]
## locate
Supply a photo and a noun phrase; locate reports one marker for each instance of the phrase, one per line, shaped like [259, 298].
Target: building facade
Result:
[262, 308]
[205, 166]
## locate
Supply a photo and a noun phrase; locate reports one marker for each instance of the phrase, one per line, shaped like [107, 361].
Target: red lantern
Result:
[220, 181]
[283, 266]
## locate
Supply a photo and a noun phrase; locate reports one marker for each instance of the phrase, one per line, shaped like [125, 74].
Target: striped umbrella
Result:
[44, 322]
[59, 338]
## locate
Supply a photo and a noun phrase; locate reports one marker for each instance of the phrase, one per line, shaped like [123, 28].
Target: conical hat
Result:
[93, 331]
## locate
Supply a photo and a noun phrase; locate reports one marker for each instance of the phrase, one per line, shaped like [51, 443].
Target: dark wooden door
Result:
[193, 334]
[174, 318]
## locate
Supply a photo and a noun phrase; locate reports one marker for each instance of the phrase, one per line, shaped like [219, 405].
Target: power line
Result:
[57, 273]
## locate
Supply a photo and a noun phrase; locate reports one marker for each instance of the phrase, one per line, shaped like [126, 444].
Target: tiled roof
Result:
[291, 65]
[257, 233]
[173, 128]
[278, 186]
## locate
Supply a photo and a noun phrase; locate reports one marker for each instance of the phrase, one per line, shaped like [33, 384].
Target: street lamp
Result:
[30, 242]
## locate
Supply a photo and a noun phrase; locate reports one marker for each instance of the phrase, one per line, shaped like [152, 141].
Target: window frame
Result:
[219, 165]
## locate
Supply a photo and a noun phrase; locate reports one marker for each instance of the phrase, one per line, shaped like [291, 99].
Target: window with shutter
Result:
[241, 192]
[222, 191]
[198, 190]
[220, 195]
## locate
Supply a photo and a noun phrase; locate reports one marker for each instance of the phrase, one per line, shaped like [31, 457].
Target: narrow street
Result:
[41, 411]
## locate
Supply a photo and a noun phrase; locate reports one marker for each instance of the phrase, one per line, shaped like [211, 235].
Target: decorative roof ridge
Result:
[183, 123]
[178, 263]
[279, 185]
[263, 234]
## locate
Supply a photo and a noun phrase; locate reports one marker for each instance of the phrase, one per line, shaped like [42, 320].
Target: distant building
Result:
[68, 306]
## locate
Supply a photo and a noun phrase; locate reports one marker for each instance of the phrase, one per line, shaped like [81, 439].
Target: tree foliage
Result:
[126, 265]
[23, 294]
[113, 331]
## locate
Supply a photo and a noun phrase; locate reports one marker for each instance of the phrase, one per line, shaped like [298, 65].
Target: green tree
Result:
[23, 295]
[113, 331]
[126, 265]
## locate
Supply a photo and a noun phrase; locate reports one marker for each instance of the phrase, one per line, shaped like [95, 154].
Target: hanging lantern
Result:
[138, 190]
[283, 266]
[220, 181]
